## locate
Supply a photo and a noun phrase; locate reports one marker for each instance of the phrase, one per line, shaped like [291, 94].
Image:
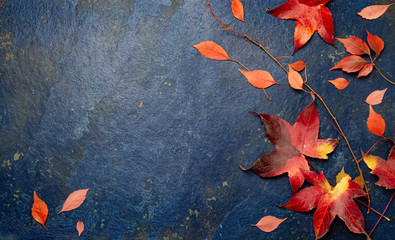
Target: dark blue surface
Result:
[111, 96]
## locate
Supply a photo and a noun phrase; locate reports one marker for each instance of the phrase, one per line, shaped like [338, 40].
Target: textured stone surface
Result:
[111, 96]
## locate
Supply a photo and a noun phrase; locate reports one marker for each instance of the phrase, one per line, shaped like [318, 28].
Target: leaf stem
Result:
[240, 64]
[364, 155]
[383, 213]
[374, 65]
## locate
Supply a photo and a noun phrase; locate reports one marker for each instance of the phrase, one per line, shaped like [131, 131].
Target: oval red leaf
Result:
[375, 97]
[294, 79]
[39, 210]
[366, 70]
[339, 83]
[376, 123]
[238, 10]
[376, 43]
[74, 200]
[80, 227]
[374, 11]
[212, 50]
[298, 66]
[355, 45]
[258, 78]
[269, 223]
[351, 63]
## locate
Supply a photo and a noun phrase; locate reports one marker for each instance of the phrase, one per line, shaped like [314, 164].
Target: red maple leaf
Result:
[310, 16]
[330, 201]
[384, 169]
[293, 143]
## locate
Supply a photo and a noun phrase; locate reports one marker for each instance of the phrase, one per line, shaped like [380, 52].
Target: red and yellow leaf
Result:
[330, 202]
[212, 50]
[269, 223]
[355, 45]
[351, 63]
[385, 170]
[293, 143]
[366, 70]
[298, 66]
[376, 123]
[294, 79]
[238, 10]
[310, 16]
[374, 11]
[39, 210]
[375, 97]
[375, 43]
[74, 200]
[80, 227]
[259, 79]
[339, 83]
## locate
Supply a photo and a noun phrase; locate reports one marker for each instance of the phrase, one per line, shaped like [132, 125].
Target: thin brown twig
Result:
[383, 213]
[364, 154]
[240, 64]
[315, 93]
[374, 65]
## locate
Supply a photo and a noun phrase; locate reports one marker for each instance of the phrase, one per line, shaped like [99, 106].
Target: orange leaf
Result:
[365, 70]
[375, 97]
[269, 223]
[339, 83]
[258, 78]
[355, 45]
[74, 200]
[374, 11]
[351, 63]
[39, 210]
[375, 122]
[238, 10]
[298, 66]
[212, 50]
[80, 227]
[294, 79]
[376, 43]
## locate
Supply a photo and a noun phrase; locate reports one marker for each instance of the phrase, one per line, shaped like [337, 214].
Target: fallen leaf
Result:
[294, 79]
[212, 50]
[298, 66]
[374, 11]
[375, 43]
[238, 10]
[375, 122]
[310, 16]
[365, 70]
[385, 170]
[351, 63]
[39, 210]
[259, 79]
[293, 143]
[375, 97]
[330, 201]
[339, 83]
[269, 223]
[80, 227]
[74, 200]
[355, 45]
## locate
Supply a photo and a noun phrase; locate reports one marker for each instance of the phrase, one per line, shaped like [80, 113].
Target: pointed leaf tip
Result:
[212, 50]
[74, 200]
[238, 10]
[375, 122]
[269, 223]
[375, 97]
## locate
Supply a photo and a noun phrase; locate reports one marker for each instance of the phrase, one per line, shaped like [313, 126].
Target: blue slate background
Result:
[111, 96]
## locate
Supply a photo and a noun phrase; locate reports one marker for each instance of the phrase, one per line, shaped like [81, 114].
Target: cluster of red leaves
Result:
[73, 201]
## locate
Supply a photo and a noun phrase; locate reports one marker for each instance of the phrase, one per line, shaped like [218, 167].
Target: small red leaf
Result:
[366, 70]
[74, 200]
[238, 10]
[355, 45]
[375, 43]
[258, 78]
[374, 11]
[39, 210]
[375, 97]
[351, 63]
[80, 227]
[339, 83]
[375, 122]
[298, 66]
[212, 50]
[294, 79]
[385, 170]
[269, 223]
